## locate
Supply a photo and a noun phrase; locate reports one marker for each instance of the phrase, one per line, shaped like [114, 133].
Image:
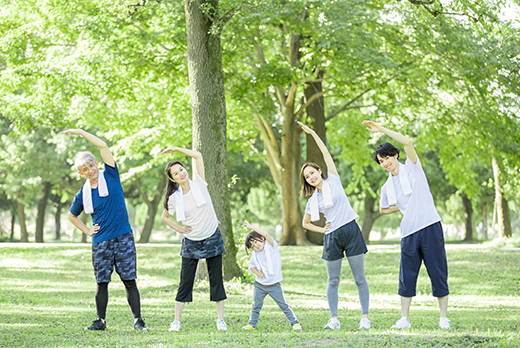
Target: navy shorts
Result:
[203, 249]
[345, 241]
[118, 252]
[424, 245]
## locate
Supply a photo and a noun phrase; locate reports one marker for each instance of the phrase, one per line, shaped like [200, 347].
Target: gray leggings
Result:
[358, 271]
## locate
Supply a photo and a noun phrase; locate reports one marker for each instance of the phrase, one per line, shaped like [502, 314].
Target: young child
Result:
[266, 264]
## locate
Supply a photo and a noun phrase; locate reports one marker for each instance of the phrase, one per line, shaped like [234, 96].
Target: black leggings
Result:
[132, 295]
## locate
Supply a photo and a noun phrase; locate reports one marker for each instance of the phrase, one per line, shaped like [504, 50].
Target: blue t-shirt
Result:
[109, 212]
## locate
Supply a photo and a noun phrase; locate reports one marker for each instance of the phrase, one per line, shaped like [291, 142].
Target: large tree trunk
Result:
[316, 117]
[371, 215]
[468, 217]
[502, 207]
[40, 215]
[209, 117]
[153, 206]
[24, 236]
[83, 217]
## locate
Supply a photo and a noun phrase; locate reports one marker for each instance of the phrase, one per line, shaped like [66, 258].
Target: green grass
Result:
[47, 298]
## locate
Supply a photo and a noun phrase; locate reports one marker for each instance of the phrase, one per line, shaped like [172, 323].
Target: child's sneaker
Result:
[444, 323]
[249, 327]
[402, 323]
[221, 325]
[333, 324]
[297, 327]
[175, 326]
[364, 323]
[98, 324]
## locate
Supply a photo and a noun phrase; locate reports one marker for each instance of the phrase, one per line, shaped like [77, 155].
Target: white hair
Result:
[82, 158]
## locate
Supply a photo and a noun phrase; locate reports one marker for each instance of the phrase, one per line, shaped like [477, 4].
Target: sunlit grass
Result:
[47, 298]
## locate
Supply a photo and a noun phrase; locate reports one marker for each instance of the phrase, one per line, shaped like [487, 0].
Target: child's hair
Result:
[385, 150]
[82, 158]
[307, 189]
[251, 236]
[171, 186]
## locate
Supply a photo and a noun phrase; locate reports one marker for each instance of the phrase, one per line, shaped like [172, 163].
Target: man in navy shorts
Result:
[407, 191]
[112, 236]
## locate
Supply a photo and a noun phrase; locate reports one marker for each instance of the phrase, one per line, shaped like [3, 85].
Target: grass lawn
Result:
[47, 298]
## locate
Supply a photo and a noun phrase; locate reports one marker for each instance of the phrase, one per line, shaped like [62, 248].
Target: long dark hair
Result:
[308, 189]
[171, 186]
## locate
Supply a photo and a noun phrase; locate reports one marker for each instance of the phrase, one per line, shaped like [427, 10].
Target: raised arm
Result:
[264, 233]
[106, 155]
[408, 146]
[331, 167]
[197, 156]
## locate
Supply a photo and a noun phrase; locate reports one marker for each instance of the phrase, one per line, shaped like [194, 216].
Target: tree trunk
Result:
[83, 217]
[24, 236]
[40, 215]
[209, 117]
[371, 215]
[153, 206]
[468, 217]
[485, 217]
[316, 117]
[57, 220]
[13, 220]
[502, 207]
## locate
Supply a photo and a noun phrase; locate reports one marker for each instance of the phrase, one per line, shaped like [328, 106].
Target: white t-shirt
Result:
[203, 219]
[259, 261]
[341, 211]
[418, 208]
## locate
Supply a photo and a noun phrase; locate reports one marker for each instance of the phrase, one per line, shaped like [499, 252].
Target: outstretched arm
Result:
[408, 146]
[331, 167]
[264, 233]
[197, 156]
[106, 155]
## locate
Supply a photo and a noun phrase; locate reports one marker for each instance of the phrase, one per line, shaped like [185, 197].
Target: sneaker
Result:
[139, 325]
[333, 324]
[364, 323]
[297, 327]
[98, 324]
[221, 325]
[444, 323]
[402, 323]
[175, 326]
[249, 327]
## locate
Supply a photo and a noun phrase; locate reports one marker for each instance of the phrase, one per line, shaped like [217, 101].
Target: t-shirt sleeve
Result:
[252, 264]
[383, 202]
[77, 203]
[308, 208]
[198, 179]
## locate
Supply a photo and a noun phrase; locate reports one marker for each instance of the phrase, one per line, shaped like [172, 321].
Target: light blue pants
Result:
[276, 293]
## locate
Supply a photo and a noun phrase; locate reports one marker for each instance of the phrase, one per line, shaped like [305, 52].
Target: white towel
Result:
[270, 270]
[179, 199]
[403, 180]
[87, 192]
[327, 200]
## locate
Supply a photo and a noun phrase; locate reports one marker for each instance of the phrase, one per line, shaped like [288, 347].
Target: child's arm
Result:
[256, 272]
[264, 233]
[408, 146]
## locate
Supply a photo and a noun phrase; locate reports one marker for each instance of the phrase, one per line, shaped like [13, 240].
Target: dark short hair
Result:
[251, 236]
[385, 150]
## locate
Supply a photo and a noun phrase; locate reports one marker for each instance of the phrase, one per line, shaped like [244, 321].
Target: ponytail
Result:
[172, 186]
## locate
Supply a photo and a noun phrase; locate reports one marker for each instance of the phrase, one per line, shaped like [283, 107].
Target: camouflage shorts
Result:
[118, 252]
[203, 249]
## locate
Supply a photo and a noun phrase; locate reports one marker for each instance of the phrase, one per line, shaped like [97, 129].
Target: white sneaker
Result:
[444, 323]
[221, 325]
[364, 323]
[333, 324]
[402, 323]
[175, 326]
